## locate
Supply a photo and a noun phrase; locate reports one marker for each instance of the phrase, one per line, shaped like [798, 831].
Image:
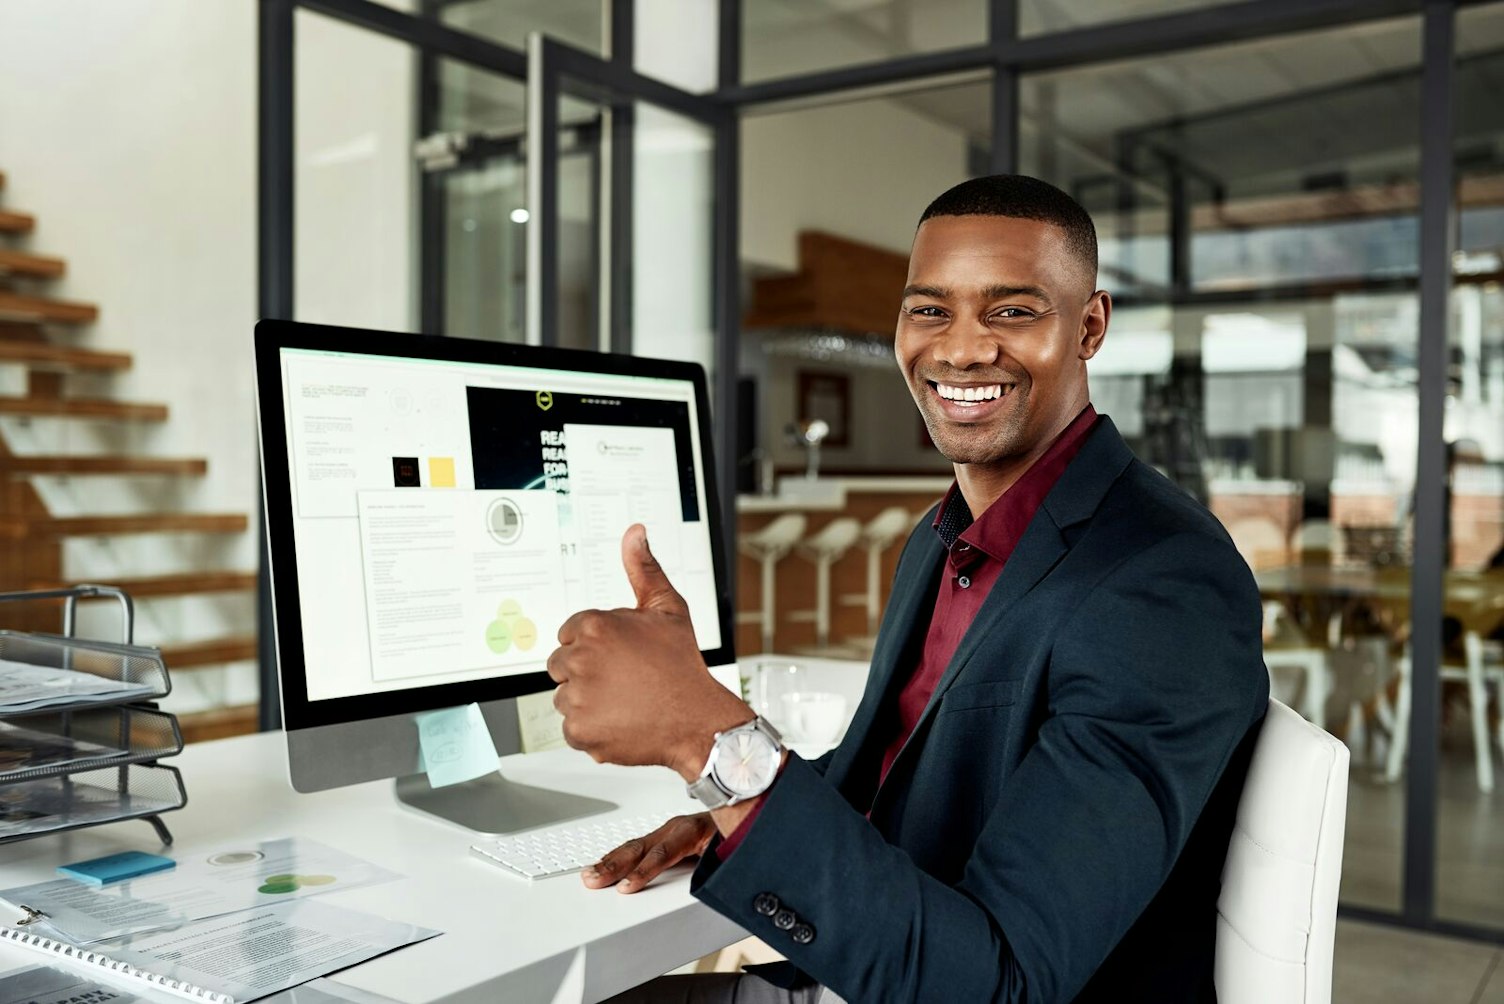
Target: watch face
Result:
[746, 762]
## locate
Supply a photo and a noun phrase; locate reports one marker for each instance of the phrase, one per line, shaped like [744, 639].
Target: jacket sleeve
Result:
[1155, 679]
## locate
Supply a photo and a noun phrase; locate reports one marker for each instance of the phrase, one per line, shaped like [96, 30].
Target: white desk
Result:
[505, 939]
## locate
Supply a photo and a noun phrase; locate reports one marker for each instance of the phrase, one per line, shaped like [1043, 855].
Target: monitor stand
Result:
[492, 804]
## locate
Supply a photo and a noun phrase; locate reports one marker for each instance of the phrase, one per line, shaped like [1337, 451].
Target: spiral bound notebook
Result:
[233, 958]
[62, 951]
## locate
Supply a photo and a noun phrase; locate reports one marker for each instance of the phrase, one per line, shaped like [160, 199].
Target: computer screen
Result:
[437, 508]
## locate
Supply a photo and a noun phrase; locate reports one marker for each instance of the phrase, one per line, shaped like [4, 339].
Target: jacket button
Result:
[802, 934]
[766, 904]
[784, 919]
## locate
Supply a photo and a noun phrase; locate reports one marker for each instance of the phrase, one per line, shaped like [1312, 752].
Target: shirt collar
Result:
[998, 530]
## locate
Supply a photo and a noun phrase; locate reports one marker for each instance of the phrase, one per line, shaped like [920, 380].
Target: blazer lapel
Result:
[1073, 500]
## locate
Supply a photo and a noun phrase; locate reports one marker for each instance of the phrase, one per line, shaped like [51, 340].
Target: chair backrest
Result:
[780, 534]
[1277, 915]
[887, 526]
[835, 537]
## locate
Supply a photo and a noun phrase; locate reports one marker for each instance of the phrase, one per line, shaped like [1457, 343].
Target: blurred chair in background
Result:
[768, 547]
[824, 548]
[881, 532]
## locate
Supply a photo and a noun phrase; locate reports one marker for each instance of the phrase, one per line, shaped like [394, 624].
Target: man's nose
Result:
[968, 344]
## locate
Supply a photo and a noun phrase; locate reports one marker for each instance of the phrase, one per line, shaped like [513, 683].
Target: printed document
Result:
[206, 885]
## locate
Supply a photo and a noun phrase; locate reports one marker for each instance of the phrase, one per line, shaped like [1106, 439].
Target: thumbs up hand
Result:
[632, 686]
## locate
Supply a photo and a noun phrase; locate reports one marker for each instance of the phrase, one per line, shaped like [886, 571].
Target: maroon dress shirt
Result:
[978, 549]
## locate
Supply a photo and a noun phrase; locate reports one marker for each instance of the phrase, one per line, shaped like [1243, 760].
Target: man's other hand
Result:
[637, 862]
[632, 686]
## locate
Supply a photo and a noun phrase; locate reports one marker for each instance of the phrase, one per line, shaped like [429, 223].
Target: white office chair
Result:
[768, 547]
[1481, 610]
[824, 548]
[1277, 915]
[880, 533]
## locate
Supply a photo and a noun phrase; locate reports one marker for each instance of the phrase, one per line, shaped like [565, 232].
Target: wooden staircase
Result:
[31, 537]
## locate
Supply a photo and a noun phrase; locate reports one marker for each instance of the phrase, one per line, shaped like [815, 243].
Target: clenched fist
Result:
[633, 688]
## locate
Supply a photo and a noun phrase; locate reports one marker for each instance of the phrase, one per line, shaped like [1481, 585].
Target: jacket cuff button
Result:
[784, 920]
[802, 934]
[766, 904]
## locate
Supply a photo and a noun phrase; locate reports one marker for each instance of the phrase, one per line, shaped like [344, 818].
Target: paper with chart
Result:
[459, 580]
[205, 885]
[254, 953]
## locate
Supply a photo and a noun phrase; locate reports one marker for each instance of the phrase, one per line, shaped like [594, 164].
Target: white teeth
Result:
[953, 392]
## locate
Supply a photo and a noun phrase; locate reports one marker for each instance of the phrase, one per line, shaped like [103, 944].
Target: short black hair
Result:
[1022, 197]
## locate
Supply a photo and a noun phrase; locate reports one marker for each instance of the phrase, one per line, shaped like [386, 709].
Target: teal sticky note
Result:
[455, 745]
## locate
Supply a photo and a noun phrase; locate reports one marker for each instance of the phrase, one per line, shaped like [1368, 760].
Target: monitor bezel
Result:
[271, 337]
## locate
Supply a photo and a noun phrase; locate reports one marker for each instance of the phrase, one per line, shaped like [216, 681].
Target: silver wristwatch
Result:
[743, 763]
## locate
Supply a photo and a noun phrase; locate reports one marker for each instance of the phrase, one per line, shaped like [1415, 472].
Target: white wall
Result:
[863, 170]
[128, 128]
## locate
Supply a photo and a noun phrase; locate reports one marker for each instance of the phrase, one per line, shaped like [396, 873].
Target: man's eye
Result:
[926, 312]
[1014, 314]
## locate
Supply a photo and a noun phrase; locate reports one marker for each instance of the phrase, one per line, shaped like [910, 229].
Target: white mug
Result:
[814, 716]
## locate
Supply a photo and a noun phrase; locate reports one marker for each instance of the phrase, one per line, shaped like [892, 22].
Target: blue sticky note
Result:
[116, 867]
[455, 745]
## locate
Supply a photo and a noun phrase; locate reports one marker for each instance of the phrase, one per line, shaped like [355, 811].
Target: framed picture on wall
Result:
[827, 396]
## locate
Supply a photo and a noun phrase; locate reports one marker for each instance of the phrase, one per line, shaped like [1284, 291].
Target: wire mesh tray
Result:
[66, 742]
[50, 805]
[117, 673]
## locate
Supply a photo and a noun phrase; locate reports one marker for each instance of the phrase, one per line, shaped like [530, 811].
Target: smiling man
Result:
[1035, 797]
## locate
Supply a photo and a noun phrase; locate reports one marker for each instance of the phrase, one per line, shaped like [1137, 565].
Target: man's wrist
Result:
[690, 758]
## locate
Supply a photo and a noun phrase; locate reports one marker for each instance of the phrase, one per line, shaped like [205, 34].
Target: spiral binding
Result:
[125, 969]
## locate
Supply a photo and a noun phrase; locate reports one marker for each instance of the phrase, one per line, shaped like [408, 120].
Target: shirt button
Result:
[802, 934]
[784, 920]
[964, 582]
[766, 904]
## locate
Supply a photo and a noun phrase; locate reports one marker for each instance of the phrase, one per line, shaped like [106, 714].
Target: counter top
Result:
[829, 494]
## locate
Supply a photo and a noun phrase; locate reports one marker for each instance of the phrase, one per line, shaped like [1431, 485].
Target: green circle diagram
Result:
[498, 636]
[281, 885]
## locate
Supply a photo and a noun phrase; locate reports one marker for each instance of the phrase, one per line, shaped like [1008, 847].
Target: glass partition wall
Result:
[1301, 209]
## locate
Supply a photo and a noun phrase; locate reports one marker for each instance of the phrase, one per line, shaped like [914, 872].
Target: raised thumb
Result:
[649, 583]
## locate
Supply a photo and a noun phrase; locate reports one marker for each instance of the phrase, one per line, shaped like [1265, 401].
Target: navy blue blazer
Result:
[1054, 829]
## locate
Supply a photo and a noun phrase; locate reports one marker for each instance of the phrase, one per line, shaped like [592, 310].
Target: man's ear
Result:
[1094, 322]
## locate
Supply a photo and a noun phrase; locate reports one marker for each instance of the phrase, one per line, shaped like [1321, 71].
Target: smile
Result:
[969, 396]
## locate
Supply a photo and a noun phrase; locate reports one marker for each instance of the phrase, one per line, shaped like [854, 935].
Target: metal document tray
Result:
[65, 742]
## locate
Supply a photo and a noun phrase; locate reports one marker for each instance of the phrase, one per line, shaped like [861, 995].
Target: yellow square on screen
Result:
[441, 472]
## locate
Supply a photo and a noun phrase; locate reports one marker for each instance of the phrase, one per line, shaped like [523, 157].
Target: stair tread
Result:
[59, 356]
[175, 584]
[212, 652]
[16, 223]
[219, 723]
[35, 266]
[87, 526]
[49, 464]
[83, 407]
[47, 309]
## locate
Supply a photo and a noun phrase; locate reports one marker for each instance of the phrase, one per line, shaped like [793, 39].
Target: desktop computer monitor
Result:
[435, 509]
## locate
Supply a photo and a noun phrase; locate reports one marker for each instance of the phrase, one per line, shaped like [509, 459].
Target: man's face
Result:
[997, 322]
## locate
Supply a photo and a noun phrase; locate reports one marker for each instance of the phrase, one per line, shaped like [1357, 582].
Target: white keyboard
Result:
[562, 849]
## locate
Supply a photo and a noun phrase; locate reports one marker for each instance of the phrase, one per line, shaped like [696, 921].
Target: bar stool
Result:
[824, 549]
[768, 547]
[878, 535]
